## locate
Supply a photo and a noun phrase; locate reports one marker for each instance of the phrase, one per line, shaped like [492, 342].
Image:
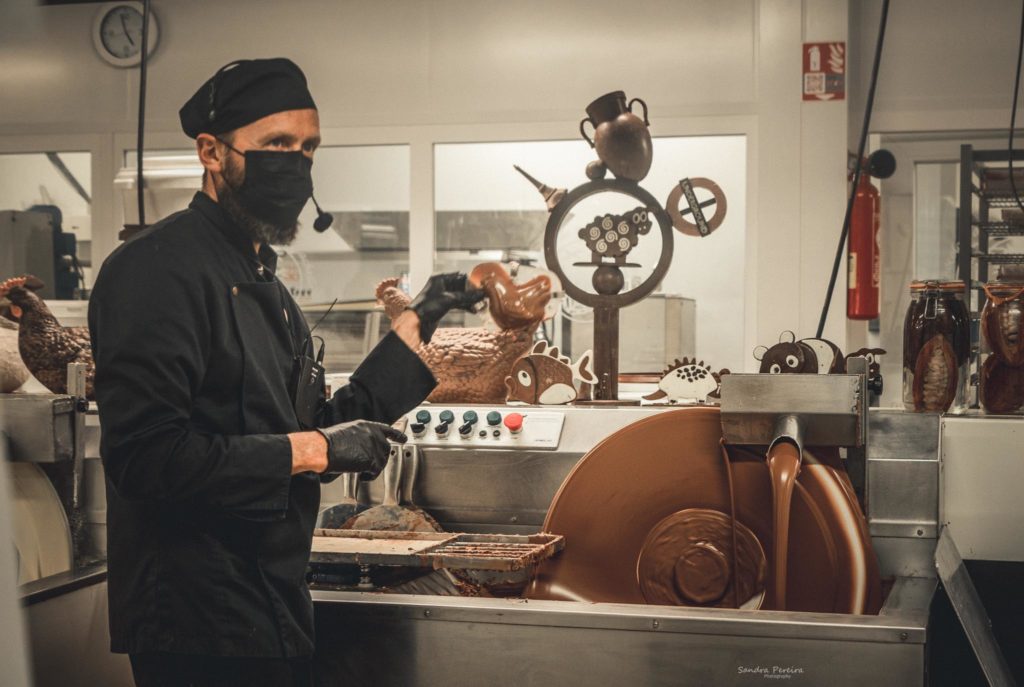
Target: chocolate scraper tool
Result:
[390, 515]
[348, 506]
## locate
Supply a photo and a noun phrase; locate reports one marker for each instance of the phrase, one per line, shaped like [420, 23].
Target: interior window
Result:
[46, 228]
[485, 210]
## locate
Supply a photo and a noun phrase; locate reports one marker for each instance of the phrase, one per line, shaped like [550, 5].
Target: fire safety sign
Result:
[824, 71]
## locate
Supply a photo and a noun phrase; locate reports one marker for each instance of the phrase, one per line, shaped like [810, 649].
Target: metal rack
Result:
[984, 192]
[975, 225]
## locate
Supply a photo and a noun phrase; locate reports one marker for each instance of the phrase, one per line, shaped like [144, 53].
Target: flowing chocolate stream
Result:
[783, 466]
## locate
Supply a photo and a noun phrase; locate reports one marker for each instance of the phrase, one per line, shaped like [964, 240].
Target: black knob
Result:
[881, 164]
[465, 430]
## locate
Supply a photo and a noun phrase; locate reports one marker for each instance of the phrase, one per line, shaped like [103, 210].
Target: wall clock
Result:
[117, 33]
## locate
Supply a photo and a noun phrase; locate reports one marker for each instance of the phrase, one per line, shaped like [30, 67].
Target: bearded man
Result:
[216, 433]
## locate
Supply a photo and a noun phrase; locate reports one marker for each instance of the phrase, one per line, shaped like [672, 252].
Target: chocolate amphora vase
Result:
[621, 139]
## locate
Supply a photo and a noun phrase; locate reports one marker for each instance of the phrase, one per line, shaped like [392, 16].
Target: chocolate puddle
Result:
[687, 559]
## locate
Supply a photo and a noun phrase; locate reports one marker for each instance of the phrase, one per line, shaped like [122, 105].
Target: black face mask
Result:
[277, 185]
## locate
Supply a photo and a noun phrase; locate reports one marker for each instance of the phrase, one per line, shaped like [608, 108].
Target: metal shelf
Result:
[998, 201]
[996, 229]
[1000, 258]
[984, 190]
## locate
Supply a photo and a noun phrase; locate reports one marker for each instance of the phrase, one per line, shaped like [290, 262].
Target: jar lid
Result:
[936, 285]
[1001, 291]
[1004, 286]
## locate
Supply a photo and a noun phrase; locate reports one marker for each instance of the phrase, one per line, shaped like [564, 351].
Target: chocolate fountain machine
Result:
[668, 570]
[568, 628]
[522, 470]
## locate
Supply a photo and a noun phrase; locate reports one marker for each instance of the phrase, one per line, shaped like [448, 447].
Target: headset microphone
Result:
[323, 219]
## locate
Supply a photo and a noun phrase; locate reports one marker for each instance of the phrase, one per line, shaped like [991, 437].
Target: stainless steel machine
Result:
[921, 471]
[502, 476]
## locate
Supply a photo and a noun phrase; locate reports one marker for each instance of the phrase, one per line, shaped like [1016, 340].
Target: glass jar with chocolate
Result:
[936, 348]
[1001, 377]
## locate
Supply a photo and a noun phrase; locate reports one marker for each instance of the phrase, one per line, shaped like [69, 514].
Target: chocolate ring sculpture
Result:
[612, 509]
[608, 280]
[608, 274]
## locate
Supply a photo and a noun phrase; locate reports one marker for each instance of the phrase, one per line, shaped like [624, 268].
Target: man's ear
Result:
[210, 154]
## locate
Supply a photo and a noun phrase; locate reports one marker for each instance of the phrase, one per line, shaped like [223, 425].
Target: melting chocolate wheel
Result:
[935, 376]
[686, 560]
[672, 461]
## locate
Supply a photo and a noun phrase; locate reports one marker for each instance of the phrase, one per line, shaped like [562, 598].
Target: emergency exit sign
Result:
[824, 71]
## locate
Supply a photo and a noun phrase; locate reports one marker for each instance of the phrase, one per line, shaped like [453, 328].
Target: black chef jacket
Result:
[208, 534]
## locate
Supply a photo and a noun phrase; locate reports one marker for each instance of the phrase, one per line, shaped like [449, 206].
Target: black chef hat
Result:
[242, 92]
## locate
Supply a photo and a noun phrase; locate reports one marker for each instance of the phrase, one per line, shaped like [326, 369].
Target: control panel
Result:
[485, 427]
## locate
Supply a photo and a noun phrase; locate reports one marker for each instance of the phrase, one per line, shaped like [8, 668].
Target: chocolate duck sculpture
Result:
[471, 363]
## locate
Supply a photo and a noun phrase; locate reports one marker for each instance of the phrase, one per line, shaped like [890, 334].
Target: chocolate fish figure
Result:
[545, 377]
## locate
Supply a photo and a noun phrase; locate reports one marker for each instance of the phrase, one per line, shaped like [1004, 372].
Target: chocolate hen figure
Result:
[45, 346]
[471, 363]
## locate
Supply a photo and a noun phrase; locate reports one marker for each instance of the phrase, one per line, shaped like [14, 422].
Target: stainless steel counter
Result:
[69, 637]
[427, 641]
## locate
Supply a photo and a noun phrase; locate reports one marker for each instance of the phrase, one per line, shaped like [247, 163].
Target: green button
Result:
[423, 417]
[447, 416]
[493, 418]
[470, 417]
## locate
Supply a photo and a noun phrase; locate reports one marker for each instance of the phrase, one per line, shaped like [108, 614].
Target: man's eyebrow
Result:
[287, 137]
[274, 135]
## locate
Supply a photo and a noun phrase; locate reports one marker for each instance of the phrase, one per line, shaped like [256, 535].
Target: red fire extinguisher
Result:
[863, 257]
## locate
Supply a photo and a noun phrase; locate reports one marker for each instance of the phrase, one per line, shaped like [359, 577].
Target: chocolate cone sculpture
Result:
[621, 139]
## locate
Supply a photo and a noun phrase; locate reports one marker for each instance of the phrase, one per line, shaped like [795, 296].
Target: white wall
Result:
[397, 62]
[946, 64]
[418, 72]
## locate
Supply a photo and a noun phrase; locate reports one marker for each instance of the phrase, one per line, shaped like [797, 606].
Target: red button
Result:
[514, 422]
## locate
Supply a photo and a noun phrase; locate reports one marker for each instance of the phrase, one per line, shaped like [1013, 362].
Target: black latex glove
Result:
[360, 446]
[442, 293]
